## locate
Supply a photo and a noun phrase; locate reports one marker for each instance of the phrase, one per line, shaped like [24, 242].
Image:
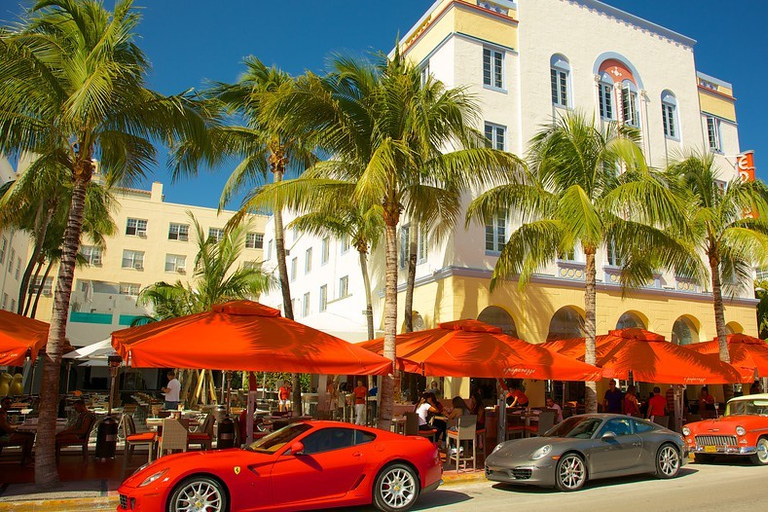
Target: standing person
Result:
[755, 388]
[517, 398]
[555, 407]
[612, 398]
[434, 388]
[631, 404]
[361, 395]
[657, 406]
[706, 404]
[13, 435]
[172, 391]
[331, 397]
[284, 397]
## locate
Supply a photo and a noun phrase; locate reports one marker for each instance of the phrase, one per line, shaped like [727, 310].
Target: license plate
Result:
[710, 449]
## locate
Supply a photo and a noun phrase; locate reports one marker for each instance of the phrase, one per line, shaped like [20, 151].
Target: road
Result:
[734, 486]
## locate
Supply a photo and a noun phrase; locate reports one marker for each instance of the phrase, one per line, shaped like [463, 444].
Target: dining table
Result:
[31, 425]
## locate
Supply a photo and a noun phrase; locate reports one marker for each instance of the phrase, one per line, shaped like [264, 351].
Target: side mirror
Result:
[608, 436]
[297, 448]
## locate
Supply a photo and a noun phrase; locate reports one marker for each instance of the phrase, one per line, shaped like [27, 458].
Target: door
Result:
[618, 453]
[330, 465]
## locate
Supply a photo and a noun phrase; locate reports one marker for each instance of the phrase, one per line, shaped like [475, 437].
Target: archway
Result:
[499, 317]
[567, 322]
[685, 331]
[733, 328]
[631, 319]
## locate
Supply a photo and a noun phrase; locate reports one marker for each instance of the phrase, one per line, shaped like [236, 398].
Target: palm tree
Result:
[74, 84]
[729, 229]
[215, 279]
[761, 294]
[575, 195]
[373, 118]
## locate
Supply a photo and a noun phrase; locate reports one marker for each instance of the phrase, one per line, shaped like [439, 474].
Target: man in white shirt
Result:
[172, 392]
[558, 410]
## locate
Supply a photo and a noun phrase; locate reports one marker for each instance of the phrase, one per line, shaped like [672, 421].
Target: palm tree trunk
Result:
[411, 282]
[390, 315]
[590, 327]
[28, 299]
[717, 300]
[33, 313]
[41, 228]
[368, 298]
[46, 473]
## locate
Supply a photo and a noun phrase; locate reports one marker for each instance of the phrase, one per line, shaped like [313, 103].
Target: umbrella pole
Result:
[69, 372]
[229, 376]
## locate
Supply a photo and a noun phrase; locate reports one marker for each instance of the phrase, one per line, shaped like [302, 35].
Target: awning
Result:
[745, 352]
[20, 337]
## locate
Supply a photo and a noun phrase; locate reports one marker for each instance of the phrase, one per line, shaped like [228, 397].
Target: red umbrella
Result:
[476, 349]
[651, 358]
[745, 351]
[243, 335]
[20, 337]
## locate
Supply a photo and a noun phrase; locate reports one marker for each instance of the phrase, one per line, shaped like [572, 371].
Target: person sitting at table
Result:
[555, 407]
[172, 391]
[516, 398]
[706, 404]
[631, 405]
[13, 436]
[458, 408]
[80, 428]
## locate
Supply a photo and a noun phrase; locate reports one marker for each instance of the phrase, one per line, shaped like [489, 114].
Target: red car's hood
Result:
[724, 424]
[194, 460]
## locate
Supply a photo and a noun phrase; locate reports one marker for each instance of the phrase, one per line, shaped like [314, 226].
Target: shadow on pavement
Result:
[435, 499]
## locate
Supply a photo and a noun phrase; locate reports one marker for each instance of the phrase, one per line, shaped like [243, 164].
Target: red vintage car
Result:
[306, 465]
[742, 430]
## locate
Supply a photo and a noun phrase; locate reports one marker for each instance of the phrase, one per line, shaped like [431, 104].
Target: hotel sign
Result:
[745, 165]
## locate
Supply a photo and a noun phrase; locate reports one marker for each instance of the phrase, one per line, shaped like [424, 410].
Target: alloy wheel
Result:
[199, 496]
[669, 461]
[571, 472]
[397, 488]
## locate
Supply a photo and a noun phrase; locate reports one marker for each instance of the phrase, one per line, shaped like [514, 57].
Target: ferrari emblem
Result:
[237, 470]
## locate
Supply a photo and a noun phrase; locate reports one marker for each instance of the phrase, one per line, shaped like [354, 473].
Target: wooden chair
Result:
[466, 432]
[80, 440]
[134, 439]
[204, 437]
[14, 442]
[412, 427]
[174, 437]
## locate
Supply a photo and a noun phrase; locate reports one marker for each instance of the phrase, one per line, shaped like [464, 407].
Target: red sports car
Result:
[306, 465]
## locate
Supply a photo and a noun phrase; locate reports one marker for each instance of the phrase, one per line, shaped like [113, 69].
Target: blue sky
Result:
[191, 41]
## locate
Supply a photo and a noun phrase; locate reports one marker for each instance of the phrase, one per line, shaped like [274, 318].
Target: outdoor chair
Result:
[17, 442]
[204, 436]
[77, 441]
[412, 427]
[546, 421]
[174, 436]
[134, 439]
[661, 420]
[466, 432]
[515, 427]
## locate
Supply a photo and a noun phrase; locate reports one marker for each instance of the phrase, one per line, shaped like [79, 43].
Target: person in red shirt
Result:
[284, 396]
[706, 404]
[657, 406]
[516, 398]
[361, 395]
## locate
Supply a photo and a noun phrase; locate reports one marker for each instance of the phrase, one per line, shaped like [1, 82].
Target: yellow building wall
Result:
[713, 103]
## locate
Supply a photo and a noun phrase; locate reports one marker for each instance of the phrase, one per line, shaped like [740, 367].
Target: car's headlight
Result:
[741, 430]
[153, 477]
[497, 448]
[542, 452]
[686, 431]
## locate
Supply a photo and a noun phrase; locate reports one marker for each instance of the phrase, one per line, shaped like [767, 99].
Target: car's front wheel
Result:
[761, 457]
[396, 488]
[571, 472]
[667, 462]
[198, 494]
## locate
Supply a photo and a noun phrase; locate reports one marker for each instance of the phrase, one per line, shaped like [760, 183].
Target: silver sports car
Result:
[588, 446]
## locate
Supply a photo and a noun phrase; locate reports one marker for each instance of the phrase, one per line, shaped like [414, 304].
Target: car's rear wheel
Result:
[667, 461]
[396, 488]
[198, 494]
[571, 472]
[761, 457]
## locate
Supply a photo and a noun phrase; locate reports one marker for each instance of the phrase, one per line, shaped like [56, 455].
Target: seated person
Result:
[555, 407]
[13, 436]
[80, 428]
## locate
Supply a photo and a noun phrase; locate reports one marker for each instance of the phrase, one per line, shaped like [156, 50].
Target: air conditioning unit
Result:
[138, 266]
[142, 234]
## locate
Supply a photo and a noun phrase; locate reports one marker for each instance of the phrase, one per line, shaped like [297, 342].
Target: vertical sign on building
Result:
[745, 165]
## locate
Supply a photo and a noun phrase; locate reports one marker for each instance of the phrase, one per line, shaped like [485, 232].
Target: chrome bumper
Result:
[725, 450]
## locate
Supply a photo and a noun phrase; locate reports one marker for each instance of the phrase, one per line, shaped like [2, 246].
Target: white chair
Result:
[174, 436]
[464, 433]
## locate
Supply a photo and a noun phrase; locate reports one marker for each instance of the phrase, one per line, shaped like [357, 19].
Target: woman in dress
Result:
[631, 404]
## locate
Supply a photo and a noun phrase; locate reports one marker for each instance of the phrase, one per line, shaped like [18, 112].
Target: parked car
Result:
[742, 430]
[588, 447]
[305, 465]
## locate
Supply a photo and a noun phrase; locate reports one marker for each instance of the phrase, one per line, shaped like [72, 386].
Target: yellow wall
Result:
[713, 103]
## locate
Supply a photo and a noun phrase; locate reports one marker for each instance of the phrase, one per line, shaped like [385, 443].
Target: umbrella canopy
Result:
[99, 350]
[20, 336]
[469, 348]
[745, 351]
[651, 358]
[243, 335]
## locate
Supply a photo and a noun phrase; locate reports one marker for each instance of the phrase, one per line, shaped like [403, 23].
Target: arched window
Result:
[566, 323]
[630, 114]
[684, 332]
[669, 115]
[560, 80]
[498, 317]
[628, 320]
[605, 96]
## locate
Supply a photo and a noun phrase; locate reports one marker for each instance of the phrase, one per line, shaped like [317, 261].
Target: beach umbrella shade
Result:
[745, 351]
[20, 337]
[99, 350]
[470, 348]
[651, 358]
[246, 336]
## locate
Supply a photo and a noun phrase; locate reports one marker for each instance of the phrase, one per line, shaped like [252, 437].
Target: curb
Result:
[62, 504]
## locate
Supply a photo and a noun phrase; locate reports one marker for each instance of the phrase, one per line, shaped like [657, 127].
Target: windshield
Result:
[279, 438]
[582, 427]
[748, 407]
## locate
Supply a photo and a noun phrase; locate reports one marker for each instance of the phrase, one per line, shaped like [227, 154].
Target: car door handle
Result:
[357, 454]
[637, 444]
